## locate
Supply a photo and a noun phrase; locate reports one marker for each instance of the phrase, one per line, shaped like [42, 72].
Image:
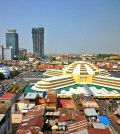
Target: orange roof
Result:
[66, 103]
[113, 57]
[41, 101]
[7, 95]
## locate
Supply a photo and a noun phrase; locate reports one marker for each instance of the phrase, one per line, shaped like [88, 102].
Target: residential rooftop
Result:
[4, 107]
[7, 96]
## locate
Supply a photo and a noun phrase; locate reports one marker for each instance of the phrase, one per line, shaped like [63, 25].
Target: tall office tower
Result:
[38, 41]
[12, 41]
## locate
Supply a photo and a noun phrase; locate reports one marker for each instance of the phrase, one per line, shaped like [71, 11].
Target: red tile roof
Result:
[7, 95]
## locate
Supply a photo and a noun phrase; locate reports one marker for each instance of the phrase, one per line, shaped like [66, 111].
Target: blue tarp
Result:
[1, 94]
[104, 120]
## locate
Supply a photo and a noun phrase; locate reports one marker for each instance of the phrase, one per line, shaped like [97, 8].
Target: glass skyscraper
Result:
[38, 41]
[12, 41]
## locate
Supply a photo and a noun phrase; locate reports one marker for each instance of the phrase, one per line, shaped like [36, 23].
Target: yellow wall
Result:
[76, 78]
[20, 106]
[82, 81]
[16, 118]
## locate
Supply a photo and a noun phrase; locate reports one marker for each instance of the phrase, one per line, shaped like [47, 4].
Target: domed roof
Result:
[81, 68]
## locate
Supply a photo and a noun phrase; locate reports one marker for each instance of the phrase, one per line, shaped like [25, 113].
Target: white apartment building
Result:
[1, 52]
[8, 53]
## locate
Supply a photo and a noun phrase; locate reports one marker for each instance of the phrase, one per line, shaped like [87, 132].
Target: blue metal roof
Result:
[104, 120]
[2, 66]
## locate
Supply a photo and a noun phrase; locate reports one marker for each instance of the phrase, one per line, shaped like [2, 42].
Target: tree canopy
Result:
[1, 76]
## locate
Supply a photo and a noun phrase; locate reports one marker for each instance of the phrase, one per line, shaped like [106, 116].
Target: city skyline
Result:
[70, 26]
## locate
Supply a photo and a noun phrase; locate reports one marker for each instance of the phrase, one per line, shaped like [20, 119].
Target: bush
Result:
[1, 76]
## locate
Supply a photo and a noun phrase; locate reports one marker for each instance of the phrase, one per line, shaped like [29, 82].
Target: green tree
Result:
[52, 59]
[1, 76]
[23, 58]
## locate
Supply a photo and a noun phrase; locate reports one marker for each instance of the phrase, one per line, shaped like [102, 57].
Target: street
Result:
[104, 107]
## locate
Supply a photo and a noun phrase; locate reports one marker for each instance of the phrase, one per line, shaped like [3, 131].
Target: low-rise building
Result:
[89, 104]
[33, 121]
[32, 98]
[91, 114]
[8, 98]
[27, 107]
[51, 100]
[5, 118]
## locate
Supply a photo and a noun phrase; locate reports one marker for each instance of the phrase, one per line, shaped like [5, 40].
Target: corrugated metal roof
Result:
[98, 125]
[104, 120]
[62, 123]
[28, 106]
[31, 96]
[90, 112]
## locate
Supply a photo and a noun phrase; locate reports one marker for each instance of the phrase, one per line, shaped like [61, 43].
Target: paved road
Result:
[113, 123]
[105, 105]
[20, 79]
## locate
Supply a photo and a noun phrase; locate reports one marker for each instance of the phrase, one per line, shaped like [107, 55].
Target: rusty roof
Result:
[66, 103]
[36, 111]
[37, 121]
[73, 115]
[77, 126]
[65, 118]
[78, 118]
[49, 100]
[31, 130]
[34, 117]
[98, 131]
[4, 107]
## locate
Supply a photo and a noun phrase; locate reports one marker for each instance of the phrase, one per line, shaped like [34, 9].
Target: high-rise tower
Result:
[12, 41]
[38, 41]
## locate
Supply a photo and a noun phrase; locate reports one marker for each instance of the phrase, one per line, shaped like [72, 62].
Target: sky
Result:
[71, 26]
